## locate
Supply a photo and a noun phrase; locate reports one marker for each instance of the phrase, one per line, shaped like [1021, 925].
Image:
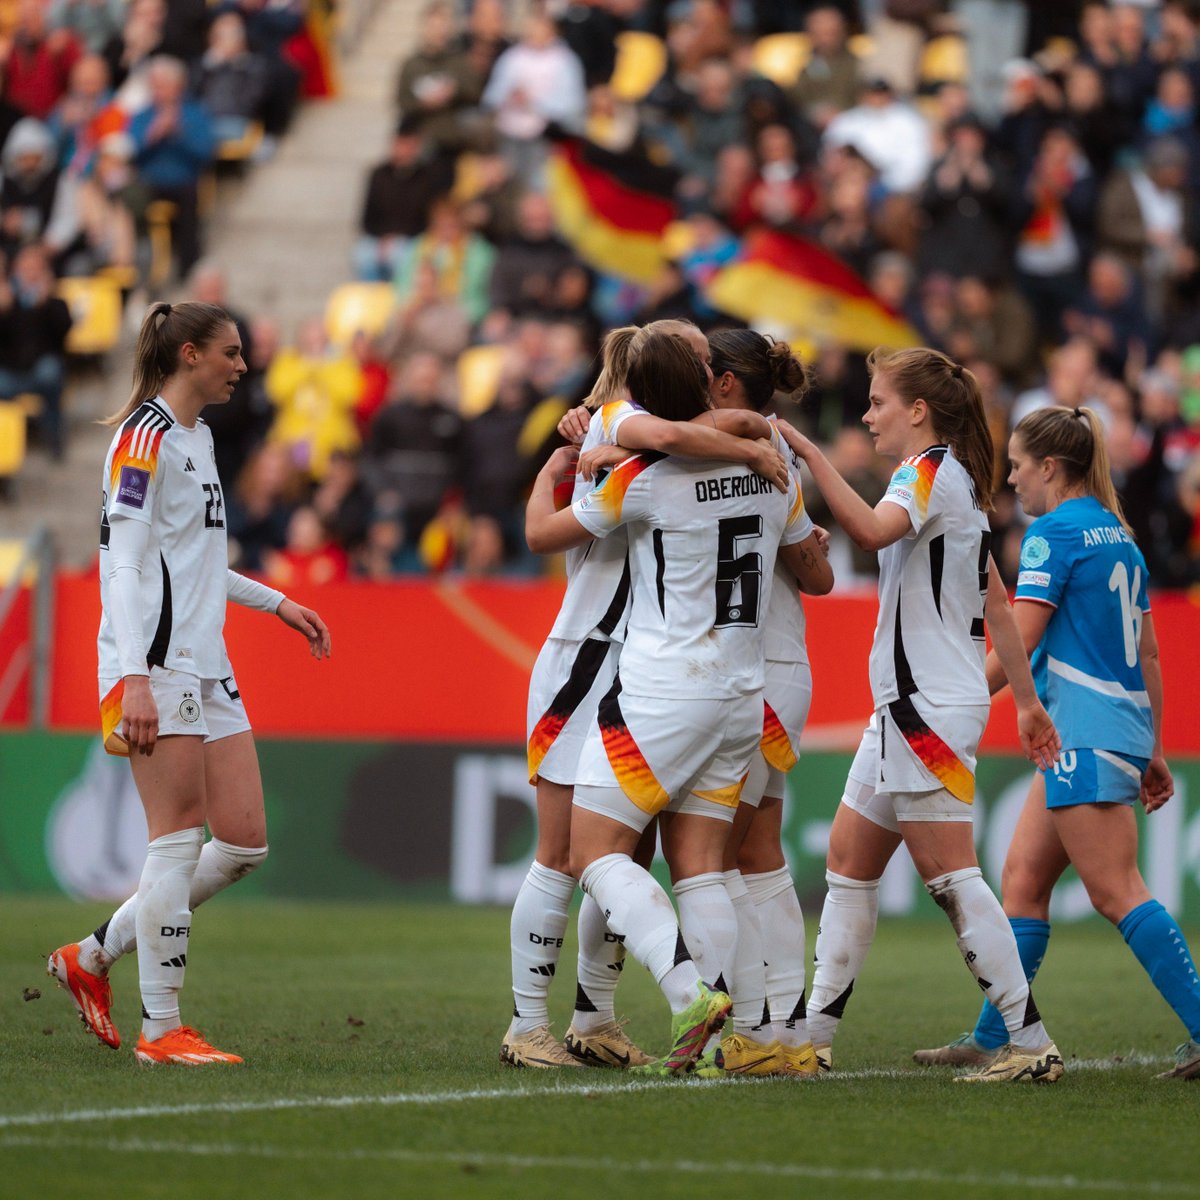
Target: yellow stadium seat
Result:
[479, 371]
[12, 438]
[861, 45]
[780, 57]
[641, 61]
[358, 308]
[233, 150]
[944, 60]
[95, 304]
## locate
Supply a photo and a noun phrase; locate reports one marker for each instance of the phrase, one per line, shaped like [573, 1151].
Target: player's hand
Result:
[139, 726]
[561, 464]
[769, 463]
[823, 539]
[601, 458]
[801, 446]
[305, 621]
[1157, 784]
[1040, 742]
[574, 425]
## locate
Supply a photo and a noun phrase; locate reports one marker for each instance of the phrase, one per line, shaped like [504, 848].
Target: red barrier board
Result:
[450, 660]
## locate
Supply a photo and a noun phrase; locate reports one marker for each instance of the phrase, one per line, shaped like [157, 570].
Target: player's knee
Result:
[1024, 889]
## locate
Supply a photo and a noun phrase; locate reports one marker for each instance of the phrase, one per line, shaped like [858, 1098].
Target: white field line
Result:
[1055, 1184]
[285, 1103]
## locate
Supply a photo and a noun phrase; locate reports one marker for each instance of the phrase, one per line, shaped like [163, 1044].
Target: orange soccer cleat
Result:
[184, 1045]
[90, 993]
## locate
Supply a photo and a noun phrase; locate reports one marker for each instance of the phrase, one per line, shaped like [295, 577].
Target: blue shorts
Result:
[1094, 777]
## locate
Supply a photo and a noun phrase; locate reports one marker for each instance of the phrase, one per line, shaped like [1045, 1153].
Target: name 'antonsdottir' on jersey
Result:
[727, 488]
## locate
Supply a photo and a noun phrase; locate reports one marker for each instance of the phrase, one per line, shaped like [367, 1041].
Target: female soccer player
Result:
[1084, 614]
[168, 698]
[677, 729]
[766, 982]
[912, 779]
[575, 668]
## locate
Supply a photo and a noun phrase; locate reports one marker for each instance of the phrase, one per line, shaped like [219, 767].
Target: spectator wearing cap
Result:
[1149, 216]
[400, 190]
[965, 206]
[37, 202]
[889, 134]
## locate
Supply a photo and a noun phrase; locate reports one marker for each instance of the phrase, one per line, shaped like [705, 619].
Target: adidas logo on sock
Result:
[180, 960]
[546, 969]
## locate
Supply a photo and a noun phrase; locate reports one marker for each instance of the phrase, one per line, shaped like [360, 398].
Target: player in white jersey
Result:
[1083, 612]
[676, 732]
[767, 977]
[575, 668]
[913, 776]
[168, 698]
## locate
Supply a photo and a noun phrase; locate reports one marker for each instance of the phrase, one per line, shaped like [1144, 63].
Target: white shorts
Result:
[786, 701]
[207, 708]
[916, 762]
[683, 755]
[565, 687]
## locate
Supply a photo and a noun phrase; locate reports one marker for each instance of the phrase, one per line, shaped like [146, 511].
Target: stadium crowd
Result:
[1016, 181]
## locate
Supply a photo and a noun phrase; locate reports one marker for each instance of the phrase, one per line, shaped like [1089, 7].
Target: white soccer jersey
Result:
[596, 602]
[785, 628]
[164, 474]
[703, 538]
[932, 585]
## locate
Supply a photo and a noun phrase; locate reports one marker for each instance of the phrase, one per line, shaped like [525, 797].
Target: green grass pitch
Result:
[371, 1035]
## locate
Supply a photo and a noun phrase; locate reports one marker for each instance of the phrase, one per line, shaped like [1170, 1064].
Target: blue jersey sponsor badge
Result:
[132, 487]
[1034, 552]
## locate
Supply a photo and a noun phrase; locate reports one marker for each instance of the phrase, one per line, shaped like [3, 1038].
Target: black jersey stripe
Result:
[904, 676]
[660, 571]
[157, 655]
[162, 410]
[616, 606]
[937, 559]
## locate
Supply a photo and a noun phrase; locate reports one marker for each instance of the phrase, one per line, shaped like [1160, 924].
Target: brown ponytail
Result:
[1074, 438]
[165, 329]
[955, 405]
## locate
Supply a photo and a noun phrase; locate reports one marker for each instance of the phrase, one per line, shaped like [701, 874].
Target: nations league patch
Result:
[1034, 552]
[132, 487]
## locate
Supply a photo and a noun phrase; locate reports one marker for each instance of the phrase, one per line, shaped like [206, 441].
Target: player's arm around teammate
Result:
[168, 695]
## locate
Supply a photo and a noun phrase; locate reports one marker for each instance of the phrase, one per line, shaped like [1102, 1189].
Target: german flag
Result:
[612, 208]
[780, 279]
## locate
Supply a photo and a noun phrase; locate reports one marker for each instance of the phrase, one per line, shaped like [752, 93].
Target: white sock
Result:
[221, 864]
[709, 926]
[539, 922]
[844, 936]
[601, 960]
[748, 977]
[637, 909]
[986, 942]
[163, 924]
[782, 923]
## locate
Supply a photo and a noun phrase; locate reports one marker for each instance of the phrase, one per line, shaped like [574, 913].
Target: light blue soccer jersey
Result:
[1079, 559]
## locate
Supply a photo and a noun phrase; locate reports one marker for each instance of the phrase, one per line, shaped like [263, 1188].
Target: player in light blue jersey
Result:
[1084, 614]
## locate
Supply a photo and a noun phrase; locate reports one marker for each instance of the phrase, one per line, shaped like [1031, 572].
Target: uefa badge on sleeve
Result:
[1034, 552]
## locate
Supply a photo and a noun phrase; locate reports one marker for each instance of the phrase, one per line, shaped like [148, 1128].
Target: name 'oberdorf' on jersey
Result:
[703, 538]
[1087, 668]
[164, 474]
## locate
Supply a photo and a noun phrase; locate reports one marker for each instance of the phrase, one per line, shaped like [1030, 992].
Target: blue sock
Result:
[1032, 935]
[1154, 937]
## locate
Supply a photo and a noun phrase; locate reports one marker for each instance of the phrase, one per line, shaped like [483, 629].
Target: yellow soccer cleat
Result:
[1013, 1065]
[744, 1056]
[538, 1048]
[607, 1046]
[800, 1061]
